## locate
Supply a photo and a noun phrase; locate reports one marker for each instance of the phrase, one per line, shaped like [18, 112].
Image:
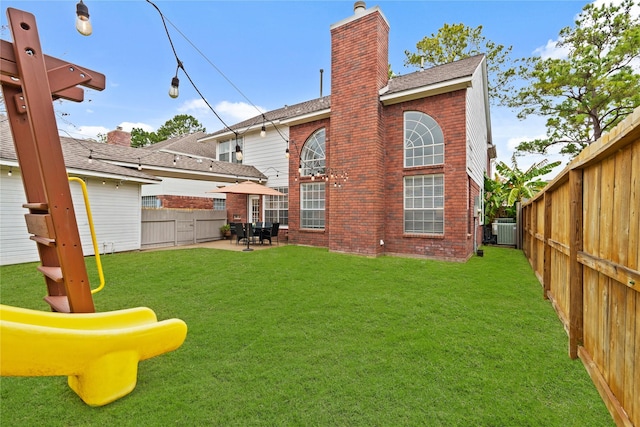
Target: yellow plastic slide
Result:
[99, 352]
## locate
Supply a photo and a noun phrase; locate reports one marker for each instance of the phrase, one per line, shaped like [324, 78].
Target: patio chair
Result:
[241, 232]
[270, 234]
[232, 229]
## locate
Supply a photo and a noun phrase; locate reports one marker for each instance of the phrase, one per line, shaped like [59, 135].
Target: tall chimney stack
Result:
[359, 69]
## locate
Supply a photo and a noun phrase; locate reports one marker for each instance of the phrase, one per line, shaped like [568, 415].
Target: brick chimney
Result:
[119, 137]
[359, 69]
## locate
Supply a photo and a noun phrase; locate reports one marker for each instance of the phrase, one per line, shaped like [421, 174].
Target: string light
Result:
[139, 164]
[83, 25]
[90, 156]
[180, 66]
[173, 90]
[10, 172]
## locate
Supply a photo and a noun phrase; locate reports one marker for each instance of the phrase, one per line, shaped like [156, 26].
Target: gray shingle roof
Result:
[434, 75]
[283, 113]
[120, 160]
[186, 144]
[429, 76]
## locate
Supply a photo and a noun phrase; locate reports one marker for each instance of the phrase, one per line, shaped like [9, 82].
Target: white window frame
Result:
[313, 155]
[423, 140]
[276, 208]
[424, 204]
[226, 150]
[312, 205]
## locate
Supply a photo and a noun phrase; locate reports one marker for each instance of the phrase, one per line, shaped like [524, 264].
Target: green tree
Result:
[182, 124]
[453, 42]
[494, 198]
[591, 90]
[518, 185]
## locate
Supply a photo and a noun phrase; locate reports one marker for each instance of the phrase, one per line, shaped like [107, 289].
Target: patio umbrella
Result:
[248, 188]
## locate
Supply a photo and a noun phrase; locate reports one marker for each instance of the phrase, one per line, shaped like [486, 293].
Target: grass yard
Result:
[300, 336]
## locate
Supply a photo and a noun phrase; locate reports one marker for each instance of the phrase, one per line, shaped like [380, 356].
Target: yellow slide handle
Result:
[96, 249]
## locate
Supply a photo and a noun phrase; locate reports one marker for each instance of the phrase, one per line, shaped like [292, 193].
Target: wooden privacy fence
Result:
[175, 227]
[581, 236]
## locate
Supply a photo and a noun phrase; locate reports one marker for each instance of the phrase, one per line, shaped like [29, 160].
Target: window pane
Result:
[424, 140]
[312, 156]
[312, 202]
[276, 207]
[424, 204]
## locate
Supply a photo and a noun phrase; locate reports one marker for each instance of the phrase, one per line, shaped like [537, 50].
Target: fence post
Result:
[546, 274]
[575, 268]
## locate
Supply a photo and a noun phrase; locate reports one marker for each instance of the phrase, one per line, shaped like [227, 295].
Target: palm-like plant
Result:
[520, 185]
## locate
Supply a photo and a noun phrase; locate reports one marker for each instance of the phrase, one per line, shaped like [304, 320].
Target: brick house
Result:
[386, 166]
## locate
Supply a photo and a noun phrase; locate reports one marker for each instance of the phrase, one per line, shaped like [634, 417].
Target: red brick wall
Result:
[185, 202]
[237, 208]
[367, 140]
[457, 242]
[359, 67]
[299, 134]
[119, 137]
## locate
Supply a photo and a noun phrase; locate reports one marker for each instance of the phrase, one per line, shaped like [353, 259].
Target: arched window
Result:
[423, 140]
[313, 154]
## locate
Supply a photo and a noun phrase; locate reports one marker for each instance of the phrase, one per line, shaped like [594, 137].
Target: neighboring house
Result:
[116, 177]
[382, 166]
[188, 170]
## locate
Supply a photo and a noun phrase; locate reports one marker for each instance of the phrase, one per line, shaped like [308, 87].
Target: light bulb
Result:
[10, 172]
[173, 91]
[286, 153]
[263, 132]
[83, 25]
[239, 155]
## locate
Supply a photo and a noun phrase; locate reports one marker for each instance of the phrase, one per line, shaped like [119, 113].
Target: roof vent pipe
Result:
[359, 7]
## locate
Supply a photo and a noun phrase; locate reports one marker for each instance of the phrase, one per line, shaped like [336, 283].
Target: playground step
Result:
[58, 303]
[53, 273]
[36, 206]
[43, 240]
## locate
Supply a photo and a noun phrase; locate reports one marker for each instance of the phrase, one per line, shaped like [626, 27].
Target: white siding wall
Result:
[476, 129]
[267, 155]
[116, 217]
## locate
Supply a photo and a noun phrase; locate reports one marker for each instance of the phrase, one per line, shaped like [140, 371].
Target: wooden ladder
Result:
[30, 81]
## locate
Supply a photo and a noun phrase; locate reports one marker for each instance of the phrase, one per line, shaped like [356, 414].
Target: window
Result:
[219, 204]
[276, 208]
[227, 150]
[312, 156]
[423, 140]
[151, 202]
[312, 205]
[424, 204]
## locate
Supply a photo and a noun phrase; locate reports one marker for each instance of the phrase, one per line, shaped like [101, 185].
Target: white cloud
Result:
[635, 9]
[230, 112]
[237, 111]
[552, 51]
[193, 106]
[128, 126]
[84, 132]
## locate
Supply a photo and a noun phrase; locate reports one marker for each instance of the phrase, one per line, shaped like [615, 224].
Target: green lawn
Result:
[300, 336]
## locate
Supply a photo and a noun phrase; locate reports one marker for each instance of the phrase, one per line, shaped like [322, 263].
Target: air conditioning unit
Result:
[505, 231]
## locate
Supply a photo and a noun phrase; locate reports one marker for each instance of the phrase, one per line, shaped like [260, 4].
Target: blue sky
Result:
[271, 51]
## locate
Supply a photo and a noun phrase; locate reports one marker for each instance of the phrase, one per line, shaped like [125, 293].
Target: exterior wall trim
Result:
[424, 92]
